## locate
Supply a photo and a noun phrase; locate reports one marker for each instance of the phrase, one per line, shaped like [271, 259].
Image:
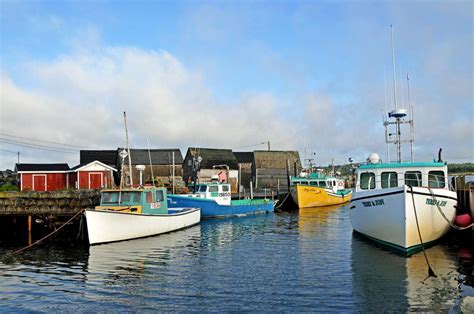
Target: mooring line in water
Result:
[444, 216]
[47, 236]
[283, 202]
[430, 270]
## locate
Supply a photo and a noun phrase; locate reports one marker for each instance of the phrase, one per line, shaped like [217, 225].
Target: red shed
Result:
[43, 177]
[94, 175]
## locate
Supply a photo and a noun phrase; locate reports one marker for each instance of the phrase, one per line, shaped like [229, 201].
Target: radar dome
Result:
[374, 158]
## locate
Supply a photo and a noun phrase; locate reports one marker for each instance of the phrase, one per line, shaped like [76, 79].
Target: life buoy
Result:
[340, 183]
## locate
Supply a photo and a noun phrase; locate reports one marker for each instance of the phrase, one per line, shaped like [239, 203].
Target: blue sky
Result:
[304, 75]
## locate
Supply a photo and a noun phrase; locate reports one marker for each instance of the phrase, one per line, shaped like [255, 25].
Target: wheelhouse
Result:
[221, 192]
[146, 201]
[385, 176]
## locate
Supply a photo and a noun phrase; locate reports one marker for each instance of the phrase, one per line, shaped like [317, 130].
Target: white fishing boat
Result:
[403, 206]
[136, 213]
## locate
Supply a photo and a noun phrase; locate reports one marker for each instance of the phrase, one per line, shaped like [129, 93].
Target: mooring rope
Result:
[47, 236]
[283, 202]
[444, 216]
[430, 270]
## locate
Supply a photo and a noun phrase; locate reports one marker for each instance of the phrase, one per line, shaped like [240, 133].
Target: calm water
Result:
[301, 261]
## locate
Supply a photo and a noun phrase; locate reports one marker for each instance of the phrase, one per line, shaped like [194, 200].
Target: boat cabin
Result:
[221, 192]
[319, 180]
[140, 201]
[417, 174]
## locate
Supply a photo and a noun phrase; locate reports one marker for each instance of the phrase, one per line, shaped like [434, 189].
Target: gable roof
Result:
[108, 157]
[158, 156]
[213, 157]
[81, 166]
[42, 167]
[276, 159]
[244, 157]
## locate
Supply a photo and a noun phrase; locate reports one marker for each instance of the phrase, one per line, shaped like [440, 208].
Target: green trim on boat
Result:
[403, 165]
[398, 249]
[254, 201]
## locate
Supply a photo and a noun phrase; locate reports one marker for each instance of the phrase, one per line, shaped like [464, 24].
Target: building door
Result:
[95, 181]
[39, 182]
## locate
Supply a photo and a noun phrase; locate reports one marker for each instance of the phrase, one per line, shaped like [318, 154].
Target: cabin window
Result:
[367, 181]
[389, 180]
[110, 198]
[333, 183]
[149, 197]
[202, 188]
[329, 184]
[159, 196]
[314, 183]
[213, 188]
[436, 179]
[304, 182]
[130, 197]
[225, 188]
[322, 184]
[413, 178]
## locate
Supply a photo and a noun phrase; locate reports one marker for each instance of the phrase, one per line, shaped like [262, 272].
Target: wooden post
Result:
[278, 188]
[29, 230]
[251, 190]
[288, 174]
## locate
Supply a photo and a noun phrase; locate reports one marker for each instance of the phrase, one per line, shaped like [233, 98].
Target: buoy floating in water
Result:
[463, 220]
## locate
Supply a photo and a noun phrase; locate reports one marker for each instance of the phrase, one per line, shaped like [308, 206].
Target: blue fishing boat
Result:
[214, 199]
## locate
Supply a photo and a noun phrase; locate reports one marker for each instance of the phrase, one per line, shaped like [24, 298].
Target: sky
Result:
[312, 76]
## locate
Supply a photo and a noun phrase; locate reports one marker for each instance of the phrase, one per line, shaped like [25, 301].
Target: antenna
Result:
[151, 165]
[412, 120]
[393, 65]
[386, 111]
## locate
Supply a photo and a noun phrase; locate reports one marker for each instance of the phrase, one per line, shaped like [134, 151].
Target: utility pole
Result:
[268, 144]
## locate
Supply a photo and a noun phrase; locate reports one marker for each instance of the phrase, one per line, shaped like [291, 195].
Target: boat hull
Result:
[210, 208]
[312, 196]
[388, 216]
[110, 226]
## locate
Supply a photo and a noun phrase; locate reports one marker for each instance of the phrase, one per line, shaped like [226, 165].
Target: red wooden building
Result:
[94, 175]
[43, 177]
[52, 177]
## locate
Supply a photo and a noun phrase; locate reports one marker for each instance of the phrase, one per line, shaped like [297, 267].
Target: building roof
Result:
[41, 167]
[276, 159]
[108, 157]
[96, 163]
[213, 157]
[158, 156]
[244, 157]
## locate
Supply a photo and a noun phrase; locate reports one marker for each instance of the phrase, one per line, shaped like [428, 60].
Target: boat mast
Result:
[393, 66]
[128, 149]
[412, 127]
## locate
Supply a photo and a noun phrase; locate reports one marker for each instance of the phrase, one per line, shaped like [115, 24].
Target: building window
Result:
[389, 180]
[367, 181]
[436, 179]
[413, 178]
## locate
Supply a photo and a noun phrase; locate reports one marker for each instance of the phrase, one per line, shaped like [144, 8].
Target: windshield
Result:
[202, 188]
[110, 197]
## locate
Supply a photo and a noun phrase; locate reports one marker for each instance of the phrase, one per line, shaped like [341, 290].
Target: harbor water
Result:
[298, 261]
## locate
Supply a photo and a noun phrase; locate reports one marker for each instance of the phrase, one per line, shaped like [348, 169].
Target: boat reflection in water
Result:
[312, 219]
[385, 281]
[128, 268]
